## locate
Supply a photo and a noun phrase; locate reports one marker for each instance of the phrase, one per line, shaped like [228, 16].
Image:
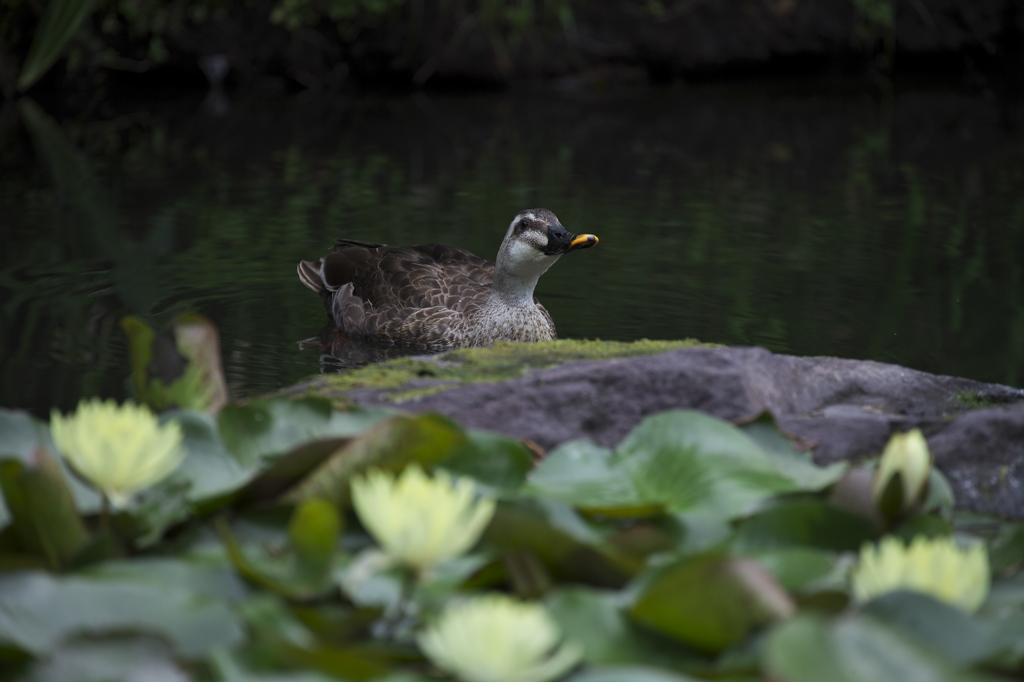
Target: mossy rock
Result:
[414, 376]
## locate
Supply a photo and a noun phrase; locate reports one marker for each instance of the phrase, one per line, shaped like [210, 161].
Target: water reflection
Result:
[806, 218]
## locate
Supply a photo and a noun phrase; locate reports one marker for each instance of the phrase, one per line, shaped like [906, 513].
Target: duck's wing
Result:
[547, 315]
[412, 294]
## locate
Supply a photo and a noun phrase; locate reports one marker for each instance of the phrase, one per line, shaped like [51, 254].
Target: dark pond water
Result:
[807, 217]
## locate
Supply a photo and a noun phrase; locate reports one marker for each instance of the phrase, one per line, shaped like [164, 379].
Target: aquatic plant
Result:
[695, 549]
[421, 520]
[119, 449]
[494, 638]
[935, 566]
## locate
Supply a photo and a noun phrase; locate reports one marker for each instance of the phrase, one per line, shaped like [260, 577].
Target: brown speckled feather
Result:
[406, 294]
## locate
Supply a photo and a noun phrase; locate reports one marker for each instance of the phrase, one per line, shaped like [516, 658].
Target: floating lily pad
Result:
[263, 428]
[808, 522]
[809, 648]
[685, 462]
[595, 619]
[428, 439]
[38, 612]
[709, 602]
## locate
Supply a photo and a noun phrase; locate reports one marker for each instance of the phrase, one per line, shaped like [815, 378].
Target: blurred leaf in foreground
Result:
[809, 648]
[39, 612]
[267, 428]
[60, 21]
[42, 509]
[301, 570]
[426, 439]
[709, 602]
[681, 461]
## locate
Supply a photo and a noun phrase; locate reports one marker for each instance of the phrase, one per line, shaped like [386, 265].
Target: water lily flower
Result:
[935, 566]
[419, 520]
[119, 449]
[906, 454]
[495, 638]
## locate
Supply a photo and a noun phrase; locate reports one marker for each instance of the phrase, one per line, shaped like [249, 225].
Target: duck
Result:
[440, 297]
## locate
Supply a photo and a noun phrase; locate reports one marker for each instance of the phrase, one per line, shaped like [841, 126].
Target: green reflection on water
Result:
[806, 222]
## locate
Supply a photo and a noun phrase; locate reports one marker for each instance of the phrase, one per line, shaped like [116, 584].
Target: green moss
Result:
[975, 400]
[426, 375]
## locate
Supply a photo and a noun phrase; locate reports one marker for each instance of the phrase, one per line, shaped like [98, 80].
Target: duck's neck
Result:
[514, 282]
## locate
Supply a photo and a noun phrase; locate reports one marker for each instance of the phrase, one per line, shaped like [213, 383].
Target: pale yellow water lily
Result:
[495, 638]
[906, 454]
[421, 520]
[934, 566]
[119, 449]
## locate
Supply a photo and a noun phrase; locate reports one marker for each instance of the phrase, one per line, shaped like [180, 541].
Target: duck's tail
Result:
[311, 276]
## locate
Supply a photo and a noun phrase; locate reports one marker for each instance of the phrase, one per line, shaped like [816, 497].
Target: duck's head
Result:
[536, 238]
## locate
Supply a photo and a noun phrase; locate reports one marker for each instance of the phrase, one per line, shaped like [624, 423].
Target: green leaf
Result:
[39, 612]
[698, 464]
[632, 673]
[282, 635]
[803, 522]
[796, 568]
[371, 579]
[595, 620]
[686, 462]
[1006, 553]
[792, 463]
[21, 436]
[262, 428]
[208, 467]
[229, 670]
[103, 660]
[304, 568]
[560, 540]
[709, 602]
[583, 474]
[853, 649]
[890, 503]
[284, 472]
[943, 627]
[206, 576]
[59, 24]
[940, 498]
[428, 439]
[314, 531]
[498, 463]
[42, 510]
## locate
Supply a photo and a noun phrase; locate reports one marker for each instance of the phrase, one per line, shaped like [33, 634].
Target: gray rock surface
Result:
[846, 409]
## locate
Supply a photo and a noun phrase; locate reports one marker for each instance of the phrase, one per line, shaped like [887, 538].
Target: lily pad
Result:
[595, 620]
[122, 658]
[681, 461]
[806, 522]
[21, 435]
[809, 648]
[263, 428]
[39, 612]
[633, 673]
[944, 628]
[709, 602]
[428, 439]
